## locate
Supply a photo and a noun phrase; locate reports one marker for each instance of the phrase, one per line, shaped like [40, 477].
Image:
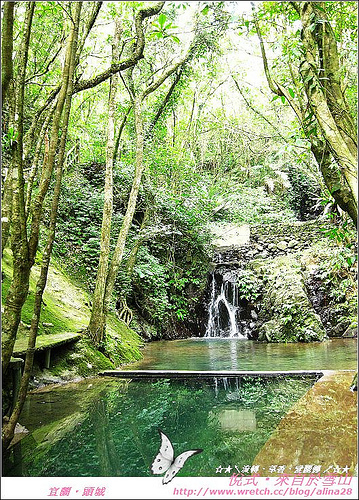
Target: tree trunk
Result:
[324, 92]
[117, 256]
[66, 89]
[339, 149]
[17, 292]
[131, 261]
[6, 210]
[119, 134]
[7, 48]
[42, 139]
[341, 182]
[127, 221]
[97, 325]
[164, 103]
[334, 180]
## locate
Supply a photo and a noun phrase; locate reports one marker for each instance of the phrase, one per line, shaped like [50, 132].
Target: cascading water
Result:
[224, 308]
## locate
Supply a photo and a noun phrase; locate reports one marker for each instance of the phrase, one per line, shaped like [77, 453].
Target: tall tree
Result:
[19, 243]
[323, 84]
[63, 104]
[97, 315]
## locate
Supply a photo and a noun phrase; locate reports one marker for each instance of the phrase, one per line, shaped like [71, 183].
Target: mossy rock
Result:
[308, 329]
[286, 314]
[352, 330]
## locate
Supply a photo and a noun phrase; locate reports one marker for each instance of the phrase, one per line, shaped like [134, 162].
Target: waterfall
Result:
[224, 308]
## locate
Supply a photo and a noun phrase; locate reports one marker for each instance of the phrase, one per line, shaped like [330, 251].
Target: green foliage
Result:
[77, 241]
[249, 286]
[161, 29]
[253, 205]
[171, 263]
[151, 286]
[9, 138]
[303, 195]
[171, 269]
[338, 273]
[341, 231]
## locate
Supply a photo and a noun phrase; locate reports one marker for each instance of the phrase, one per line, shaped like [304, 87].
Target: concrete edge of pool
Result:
[208, 374]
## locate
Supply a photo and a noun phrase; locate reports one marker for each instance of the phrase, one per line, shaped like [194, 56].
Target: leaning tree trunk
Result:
[342, 180]
[141, 237]
[65, 97]
[43, 140]
[339, 149]
[324, 91]
[334, 180]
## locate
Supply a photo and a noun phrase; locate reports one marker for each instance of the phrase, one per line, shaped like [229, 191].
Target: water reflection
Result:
[109, 427]
[237, 420]
[234, 355]
[237, 354]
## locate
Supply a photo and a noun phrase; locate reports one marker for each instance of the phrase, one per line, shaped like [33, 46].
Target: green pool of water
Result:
[109, 427]
[236, 354]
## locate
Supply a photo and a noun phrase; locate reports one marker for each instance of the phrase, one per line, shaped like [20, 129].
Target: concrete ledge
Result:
[44, 342]
[185, 374]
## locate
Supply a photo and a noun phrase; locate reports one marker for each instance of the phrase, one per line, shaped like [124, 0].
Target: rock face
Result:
[351, 331]
[265, 241]
[285, 301]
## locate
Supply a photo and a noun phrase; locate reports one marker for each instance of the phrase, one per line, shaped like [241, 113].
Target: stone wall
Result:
[273, 240]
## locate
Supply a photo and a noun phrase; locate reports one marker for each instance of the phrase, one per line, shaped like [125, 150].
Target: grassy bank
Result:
[66, 308]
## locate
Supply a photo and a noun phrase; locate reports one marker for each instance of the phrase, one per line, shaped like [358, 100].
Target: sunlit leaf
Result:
[162, 19]
[291, 92]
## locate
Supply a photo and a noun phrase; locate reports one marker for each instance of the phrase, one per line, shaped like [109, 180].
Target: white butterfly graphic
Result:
[165, 460]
